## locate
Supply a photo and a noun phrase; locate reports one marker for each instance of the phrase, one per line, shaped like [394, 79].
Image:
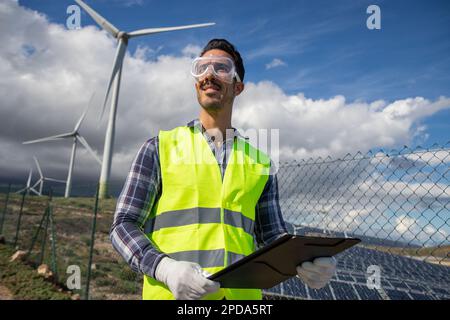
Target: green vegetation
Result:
[111, 277]
[24, 282]
[125, 287]
[127, 274]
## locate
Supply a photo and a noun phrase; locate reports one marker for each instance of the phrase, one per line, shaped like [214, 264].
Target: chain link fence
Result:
[396, 202]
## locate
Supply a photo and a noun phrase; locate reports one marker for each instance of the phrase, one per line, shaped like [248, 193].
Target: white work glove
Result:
[186, 280]
[318, 273]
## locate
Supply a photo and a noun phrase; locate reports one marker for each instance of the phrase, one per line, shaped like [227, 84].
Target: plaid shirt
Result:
[142, 190]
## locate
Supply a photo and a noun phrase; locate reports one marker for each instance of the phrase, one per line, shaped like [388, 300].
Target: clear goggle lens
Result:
[221, 67]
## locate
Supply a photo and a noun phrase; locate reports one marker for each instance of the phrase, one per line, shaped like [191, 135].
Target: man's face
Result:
[212, 93]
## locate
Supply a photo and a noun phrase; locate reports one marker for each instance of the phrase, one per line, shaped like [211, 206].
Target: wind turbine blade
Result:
[57, 137]
[29, 178]
[37, 193]
[118, 60]
[102, 22]
[77, 126]
[55, 180]
[38, 166]
[144, 32]
[21, 190]
[86, 145]
[36, 183]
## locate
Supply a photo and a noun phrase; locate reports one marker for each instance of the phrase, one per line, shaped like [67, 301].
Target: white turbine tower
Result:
[122, 38]
[76, 138]
[42, 179]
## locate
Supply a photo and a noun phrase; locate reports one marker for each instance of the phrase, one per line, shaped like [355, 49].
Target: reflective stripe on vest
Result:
[201, 216]
[198, 215]
[206, 258]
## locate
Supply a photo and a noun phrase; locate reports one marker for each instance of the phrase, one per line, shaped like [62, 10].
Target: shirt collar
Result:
[197, 124]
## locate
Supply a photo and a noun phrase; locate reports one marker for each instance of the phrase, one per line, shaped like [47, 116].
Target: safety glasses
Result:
[221, 67]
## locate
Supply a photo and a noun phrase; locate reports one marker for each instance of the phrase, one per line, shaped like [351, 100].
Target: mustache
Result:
[206, 82]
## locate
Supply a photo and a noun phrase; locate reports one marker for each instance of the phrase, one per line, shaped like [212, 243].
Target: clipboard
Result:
[277, 262]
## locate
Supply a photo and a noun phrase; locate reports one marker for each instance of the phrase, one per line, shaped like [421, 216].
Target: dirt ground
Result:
[5, 294]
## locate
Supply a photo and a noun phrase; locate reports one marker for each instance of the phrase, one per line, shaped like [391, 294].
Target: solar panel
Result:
[416, 287]
[385, 283]
[321, 294]
[344, 277]
[275, 289]
[294, 287]
[440, 291]
[344, 291]
[301, 289]
[420, 296]
[440, 297]
[401, 278]
[361, 280]
[399, 284]
[367, 294]
[397, 294]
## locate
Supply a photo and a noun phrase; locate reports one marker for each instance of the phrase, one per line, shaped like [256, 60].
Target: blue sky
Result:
[325, 46]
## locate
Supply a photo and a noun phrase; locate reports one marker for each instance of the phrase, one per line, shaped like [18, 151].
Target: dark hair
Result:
[226, 46]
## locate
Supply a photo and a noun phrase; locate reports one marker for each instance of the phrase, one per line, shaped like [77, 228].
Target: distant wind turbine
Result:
[28, 187]
[76, 138]
[42, 179]
[122, 38]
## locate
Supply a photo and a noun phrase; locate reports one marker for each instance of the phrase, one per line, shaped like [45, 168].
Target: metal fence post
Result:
[94, 221]
[33, 241]
[44, 239]
[45, 218]
[53, 240]
[5, 208]
[19, 219]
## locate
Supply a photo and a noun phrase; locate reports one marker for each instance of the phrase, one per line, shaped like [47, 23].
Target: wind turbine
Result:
[76, 138]
[28, 187]
[114, 82]
[42, 179]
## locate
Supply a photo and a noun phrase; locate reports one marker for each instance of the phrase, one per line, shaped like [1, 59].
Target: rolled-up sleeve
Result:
[139, 194]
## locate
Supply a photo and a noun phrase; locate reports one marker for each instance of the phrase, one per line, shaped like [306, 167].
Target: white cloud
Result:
[130, 3]
[49, 74]
[192, 51]
[404, 224]
[275, 63]
[312, 128]
[433, 157]
[413, 229]
[146, 53]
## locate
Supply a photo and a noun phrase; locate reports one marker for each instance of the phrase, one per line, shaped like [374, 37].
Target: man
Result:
[199, 197]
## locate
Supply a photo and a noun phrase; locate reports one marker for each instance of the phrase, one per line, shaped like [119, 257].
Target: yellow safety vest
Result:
[200, 217]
